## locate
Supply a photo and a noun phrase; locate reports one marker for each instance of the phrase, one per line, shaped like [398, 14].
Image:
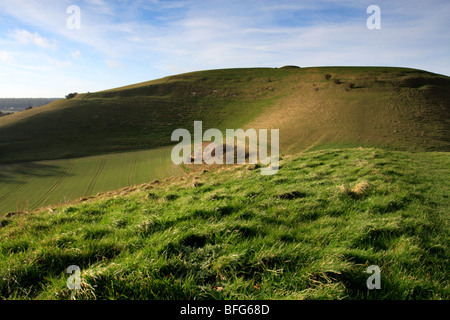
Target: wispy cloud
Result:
[76, 54]
[58, 63]
[6, 56]
[24, 36]
[113, 64]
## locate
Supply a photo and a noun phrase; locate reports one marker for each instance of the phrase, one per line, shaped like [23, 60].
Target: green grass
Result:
[27, 186]
[308, 232]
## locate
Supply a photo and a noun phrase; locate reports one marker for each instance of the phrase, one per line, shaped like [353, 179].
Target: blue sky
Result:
[122, 42]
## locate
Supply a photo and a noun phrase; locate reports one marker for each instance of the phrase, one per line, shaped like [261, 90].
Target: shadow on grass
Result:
[21, 172]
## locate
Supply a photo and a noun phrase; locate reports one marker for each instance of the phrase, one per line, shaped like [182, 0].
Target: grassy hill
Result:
[308, 232]
[363, 181]
[390, 107]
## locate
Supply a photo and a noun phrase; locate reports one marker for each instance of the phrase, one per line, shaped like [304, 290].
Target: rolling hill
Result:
[363, 181]
[399, 108]
[314, 108]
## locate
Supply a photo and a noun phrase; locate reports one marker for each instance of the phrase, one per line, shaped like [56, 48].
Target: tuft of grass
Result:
[361, 189]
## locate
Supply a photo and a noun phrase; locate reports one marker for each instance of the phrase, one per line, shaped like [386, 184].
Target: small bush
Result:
[337, 81]
[71, 95]
[290, 67]
[328, 76]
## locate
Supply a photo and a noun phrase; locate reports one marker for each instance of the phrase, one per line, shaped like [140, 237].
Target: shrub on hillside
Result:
[71, 95]
[290, 67]
[327, 76]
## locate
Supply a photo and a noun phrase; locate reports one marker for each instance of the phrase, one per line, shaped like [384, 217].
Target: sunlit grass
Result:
[308, 232]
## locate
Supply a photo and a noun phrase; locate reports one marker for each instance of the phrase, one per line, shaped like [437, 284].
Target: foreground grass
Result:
[308, 232]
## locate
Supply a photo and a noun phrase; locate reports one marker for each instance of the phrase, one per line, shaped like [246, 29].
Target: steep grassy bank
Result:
[309, 231]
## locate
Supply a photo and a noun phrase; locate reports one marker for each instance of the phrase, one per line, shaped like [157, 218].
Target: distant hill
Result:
[20, 104]
[398, 108]
[2, 114]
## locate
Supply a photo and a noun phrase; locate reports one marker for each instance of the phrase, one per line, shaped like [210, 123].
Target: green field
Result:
[27, 186]
[308, 232]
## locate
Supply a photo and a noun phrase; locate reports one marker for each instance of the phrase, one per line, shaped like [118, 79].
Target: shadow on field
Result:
[21, 172]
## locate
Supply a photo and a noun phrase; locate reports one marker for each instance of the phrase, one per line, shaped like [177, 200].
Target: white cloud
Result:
[113, 63]
[59, 64]
[76, 54]
[6, 56]
[24, 36]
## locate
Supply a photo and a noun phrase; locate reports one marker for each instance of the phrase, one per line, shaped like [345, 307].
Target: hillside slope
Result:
[370, 106]
[308, 232]
[228, 232]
